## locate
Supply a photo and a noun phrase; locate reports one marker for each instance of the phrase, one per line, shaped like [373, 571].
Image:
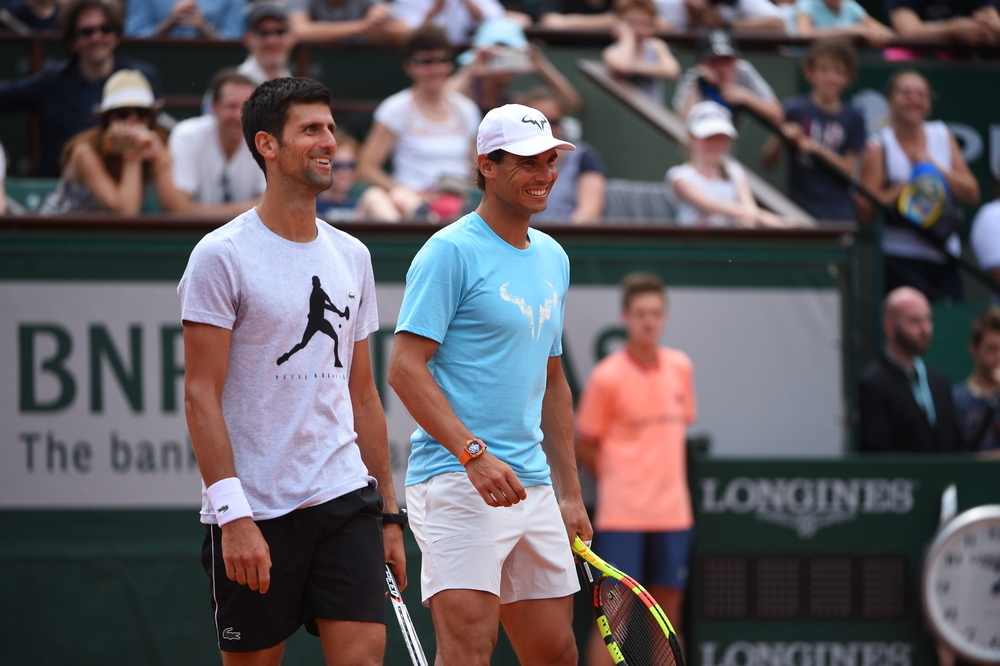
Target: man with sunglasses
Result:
[270, 41]
[65, 94]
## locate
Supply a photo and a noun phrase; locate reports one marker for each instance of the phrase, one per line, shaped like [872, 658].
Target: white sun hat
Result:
[127, 88]
[519, 130]
[710, 118]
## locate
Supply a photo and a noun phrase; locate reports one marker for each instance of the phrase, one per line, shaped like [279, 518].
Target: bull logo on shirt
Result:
[544, 310]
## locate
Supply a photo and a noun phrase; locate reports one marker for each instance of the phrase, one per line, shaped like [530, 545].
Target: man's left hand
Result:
[395, 555]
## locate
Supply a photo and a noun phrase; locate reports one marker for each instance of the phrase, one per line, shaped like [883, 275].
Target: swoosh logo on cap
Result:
[538, 122]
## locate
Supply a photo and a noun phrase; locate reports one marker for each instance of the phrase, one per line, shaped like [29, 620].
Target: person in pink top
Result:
[631, 423]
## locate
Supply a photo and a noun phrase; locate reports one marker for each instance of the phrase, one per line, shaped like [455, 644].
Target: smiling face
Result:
[227, 109]
[910, 99]
[305, 149]
[95, 40]
[522, 184]
[271, 42]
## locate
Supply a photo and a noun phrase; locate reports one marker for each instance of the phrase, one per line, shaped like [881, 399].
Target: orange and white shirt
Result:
[639, 416]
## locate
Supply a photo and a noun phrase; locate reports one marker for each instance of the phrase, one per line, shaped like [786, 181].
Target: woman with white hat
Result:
[711, 190]
[106, 168]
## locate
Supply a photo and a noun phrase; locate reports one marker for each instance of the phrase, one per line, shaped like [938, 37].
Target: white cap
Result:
[127, 88]
[519, 130]
[710, 118]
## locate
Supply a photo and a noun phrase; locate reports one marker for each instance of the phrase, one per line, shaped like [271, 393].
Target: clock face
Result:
[962, 584]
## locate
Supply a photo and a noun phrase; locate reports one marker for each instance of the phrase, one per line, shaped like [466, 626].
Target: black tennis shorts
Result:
[327, 562]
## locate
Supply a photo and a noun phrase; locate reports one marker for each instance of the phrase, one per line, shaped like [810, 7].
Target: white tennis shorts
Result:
[517, 552]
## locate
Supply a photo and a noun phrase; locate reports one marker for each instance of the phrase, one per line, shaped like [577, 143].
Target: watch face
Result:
[474, 448]
[962, 584]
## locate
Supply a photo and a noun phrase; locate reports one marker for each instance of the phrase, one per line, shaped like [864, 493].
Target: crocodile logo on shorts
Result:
[230, 635]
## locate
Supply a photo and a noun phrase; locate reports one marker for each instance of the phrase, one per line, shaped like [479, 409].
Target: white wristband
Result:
[228, 500]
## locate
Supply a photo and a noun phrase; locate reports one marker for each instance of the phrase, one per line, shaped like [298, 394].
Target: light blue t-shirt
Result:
[850, 13]
[497, 313]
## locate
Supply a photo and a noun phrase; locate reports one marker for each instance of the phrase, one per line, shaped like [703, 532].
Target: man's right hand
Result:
[246, 554]
[495, 480]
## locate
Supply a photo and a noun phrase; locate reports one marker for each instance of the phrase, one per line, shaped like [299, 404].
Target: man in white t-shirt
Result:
[269, 40]
[738, 14]
[292, 450]
[459, 18]
[213, 168]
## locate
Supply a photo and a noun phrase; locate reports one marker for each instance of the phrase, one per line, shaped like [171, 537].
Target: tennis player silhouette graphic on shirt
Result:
[319, 302]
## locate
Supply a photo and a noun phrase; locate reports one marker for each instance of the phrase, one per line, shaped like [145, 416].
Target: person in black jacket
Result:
[66, 94]
[905, 406]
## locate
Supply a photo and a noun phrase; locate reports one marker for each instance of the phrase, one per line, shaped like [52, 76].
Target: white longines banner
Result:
[92, 413]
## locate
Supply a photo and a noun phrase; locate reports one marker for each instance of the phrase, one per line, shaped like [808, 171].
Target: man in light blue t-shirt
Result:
[477, 362]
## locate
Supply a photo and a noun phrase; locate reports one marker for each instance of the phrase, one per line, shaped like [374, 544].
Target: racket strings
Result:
[639, 636]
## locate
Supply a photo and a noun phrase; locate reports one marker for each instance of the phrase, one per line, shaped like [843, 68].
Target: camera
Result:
[510, 59]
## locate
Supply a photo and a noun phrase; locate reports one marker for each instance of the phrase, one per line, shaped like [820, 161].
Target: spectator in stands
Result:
[31, 17]
[575, 14]
[972, 21]
[429, 133]
[214, 171]
[269, 40]
[890, 160]
[3, 179]
[500, 54]
[204, 19]
[686, 15]
[820, 124]
[458, 18]
[347, 198]
[722, 76]
[904, 406]
[985, 239]
[632, 424]
[977, 400]
[637, 53]
[579, 194]
[840, 18]
[65, 94]
[106, 168]
[711, 190]
[323, 21]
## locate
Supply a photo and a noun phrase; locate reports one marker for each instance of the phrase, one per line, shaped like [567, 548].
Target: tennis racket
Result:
[635, 629]
[405, 623]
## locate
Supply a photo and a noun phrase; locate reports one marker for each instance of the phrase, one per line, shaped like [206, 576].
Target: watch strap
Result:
[401, 518]
[466, 455]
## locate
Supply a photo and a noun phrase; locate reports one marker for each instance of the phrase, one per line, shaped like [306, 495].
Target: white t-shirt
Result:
[724, 189]
[426, 150]
[454, 17]
[251, 69]
[898, 241]
[202, 170]
[675, 11]
[291, 425]
[985, 235]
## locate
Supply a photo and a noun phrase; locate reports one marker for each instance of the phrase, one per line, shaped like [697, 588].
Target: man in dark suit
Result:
[905, 406]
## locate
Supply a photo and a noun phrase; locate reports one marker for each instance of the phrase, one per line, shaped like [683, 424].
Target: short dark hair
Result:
[70, 14]
[496, 156]
[988, 321]
[835, 48]
[267, 108]
[224, 76]
[427, 37]
[641, 282]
